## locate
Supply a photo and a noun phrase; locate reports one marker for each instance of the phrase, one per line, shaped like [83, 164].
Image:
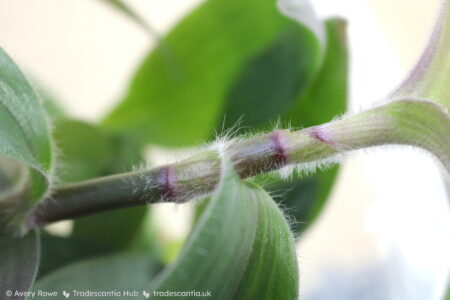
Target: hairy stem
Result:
[408, 122]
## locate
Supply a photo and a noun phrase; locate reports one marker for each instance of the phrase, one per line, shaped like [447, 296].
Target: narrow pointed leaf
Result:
[241, 248]
[19, 260]
[24, 138]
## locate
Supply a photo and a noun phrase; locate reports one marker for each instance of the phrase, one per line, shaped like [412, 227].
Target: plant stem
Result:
[408, 122]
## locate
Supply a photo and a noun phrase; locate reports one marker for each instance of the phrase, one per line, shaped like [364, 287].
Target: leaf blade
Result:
[25, 138]
[270, 82]
[207, 49]
[324, 98]
[282, 283]
[105, 155]
[19, 260]
[228, 254]
[318, 99]
[118, 272]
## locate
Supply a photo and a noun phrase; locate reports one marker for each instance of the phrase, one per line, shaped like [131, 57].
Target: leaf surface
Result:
[316, 101]
[269, 84]
[25, 139]
[19, 260]
[177, 99]
[323, 99]
[57, 252]
[241, 248]
[88, 152]
[121, 272]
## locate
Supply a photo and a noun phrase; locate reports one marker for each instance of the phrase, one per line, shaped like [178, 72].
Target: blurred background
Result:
[385, 233]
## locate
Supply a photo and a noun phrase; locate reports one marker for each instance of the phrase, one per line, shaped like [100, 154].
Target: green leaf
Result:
[19, 260]
[127, 154]
[241, 248]
[326, 96]
[24, 137]
[178, 100]
[119, 228]
[58, 252]
[10, 174]
[304, 198]
[112, 230]
[61, 251]
[50, 103]
[324, 99]
[272, 80]
[87, 152]
[429, 80]
[314, 100]
[53, 109]
[110, 273]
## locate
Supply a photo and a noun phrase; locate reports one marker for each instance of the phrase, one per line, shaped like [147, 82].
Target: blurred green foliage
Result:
[227, 62]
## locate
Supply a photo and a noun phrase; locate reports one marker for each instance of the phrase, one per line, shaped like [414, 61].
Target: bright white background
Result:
[385, 233]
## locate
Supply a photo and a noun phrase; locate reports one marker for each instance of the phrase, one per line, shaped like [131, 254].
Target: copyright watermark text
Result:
[74, 294]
